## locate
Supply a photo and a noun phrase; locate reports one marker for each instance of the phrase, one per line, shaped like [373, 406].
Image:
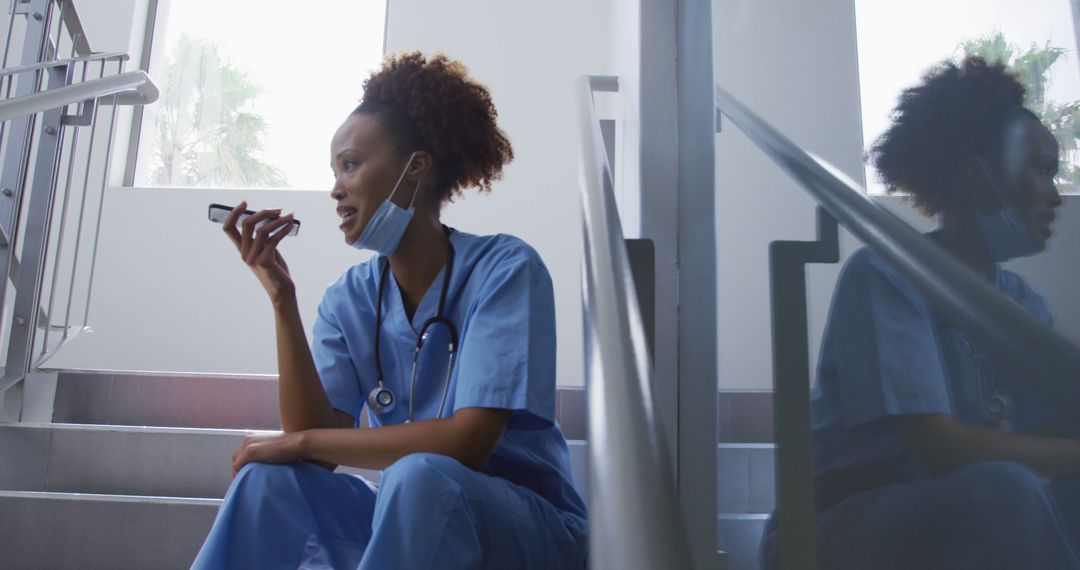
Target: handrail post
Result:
[15, 164]
[791, 390]
[35, 239]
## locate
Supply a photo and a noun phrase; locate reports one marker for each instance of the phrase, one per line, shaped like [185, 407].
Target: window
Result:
[899, 41]
[252, 91]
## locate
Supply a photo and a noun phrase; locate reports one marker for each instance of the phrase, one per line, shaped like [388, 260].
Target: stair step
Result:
[745, 478]
[236, 401]
[69, 530]
[145, 399]
[208, 401]
[740, 537]
[136, 460]
[150, 461]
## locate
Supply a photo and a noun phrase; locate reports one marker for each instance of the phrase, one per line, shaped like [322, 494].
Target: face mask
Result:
[1004, 232]
[384, 230]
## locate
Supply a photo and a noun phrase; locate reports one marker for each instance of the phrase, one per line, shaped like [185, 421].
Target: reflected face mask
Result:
[384, 230]
[1004, 232]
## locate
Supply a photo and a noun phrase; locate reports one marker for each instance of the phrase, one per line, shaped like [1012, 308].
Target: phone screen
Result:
[218, 213]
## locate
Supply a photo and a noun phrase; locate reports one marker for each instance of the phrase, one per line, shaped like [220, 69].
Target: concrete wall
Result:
[170, 293]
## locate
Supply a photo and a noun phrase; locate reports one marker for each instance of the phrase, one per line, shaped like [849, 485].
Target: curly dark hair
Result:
[958, 112]
[433, 105]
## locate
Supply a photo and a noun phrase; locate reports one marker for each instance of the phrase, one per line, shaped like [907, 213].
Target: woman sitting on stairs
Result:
[446, 338]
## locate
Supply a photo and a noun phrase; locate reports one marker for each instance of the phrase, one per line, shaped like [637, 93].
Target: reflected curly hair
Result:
[433, 105]
[958, 112]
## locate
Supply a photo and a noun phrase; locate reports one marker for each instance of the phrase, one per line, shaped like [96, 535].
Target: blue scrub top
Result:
[886, 352]
[500, 298]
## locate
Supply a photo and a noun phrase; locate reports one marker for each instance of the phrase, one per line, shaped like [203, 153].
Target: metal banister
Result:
[132, 87]
[634, 519]
[94, 57]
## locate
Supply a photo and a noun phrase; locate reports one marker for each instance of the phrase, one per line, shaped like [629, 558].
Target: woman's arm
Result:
[942, 443]
[302, 401]
[470, 436]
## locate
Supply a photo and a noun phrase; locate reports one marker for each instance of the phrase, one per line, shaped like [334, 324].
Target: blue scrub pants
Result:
[430, 512]
[986, 516]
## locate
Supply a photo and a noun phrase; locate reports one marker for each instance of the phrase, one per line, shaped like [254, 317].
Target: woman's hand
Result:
[258, 248]
[268, 448]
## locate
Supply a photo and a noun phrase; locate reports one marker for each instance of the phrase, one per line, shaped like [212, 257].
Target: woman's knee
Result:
[417, 468]
[1006, 486]
[263, 476]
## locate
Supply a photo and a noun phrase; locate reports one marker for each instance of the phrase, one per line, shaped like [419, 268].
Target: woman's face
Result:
[366, 167]
[1030, 185]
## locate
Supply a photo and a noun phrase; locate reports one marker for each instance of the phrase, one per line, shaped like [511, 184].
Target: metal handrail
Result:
[634, 519]
[132, 87]
[70, 17]
[94, 57]
[1049, 360]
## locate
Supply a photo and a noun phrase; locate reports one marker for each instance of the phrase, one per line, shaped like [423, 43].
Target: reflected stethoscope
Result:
[382, 399]
[998, 406]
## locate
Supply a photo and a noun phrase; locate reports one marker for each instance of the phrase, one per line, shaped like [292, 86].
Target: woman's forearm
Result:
[943, 443]
[302, 401]
[469, 436]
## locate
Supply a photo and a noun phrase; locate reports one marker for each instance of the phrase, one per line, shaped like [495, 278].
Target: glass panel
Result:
[881, 354]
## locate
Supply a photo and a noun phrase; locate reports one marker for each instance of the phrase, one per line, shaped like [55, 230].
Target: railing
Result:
[51, 182]
[634, 519]
[132, 86]
[1021, 341]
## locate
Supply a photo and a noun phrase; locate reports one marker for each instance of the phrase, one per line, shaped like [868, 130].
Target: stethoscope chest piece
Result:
[999, 407]
[381, 400]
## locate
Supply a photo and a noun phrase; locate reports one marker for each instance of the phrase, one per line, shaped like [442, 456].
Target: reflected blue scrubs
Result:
[429, 511]
[887, 353]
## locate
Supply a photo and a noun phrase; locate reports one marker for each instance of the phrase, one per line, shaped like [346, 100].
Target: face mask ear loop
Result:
[415, 192]
[980, 202]
[404, 171]
[1005, 203]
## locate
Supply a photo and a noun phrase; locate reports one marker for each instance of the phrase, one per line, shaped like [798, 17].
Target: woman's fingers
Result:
[266, 238]
[230, 223]
[247, 236]
[238, 455]
[280, 233]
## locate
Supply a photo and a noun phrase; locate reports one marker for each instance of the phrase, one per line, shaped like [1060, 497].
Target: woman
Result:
[477, 473]
[928, 453]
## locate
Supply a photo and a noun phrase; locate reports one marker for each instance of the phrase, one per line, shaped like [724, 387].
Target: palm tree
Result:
[1033, 69]
[204, 133]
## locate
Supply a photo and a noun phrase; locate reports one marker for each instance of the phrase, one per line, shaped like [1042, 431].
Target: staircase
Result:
[132, 469]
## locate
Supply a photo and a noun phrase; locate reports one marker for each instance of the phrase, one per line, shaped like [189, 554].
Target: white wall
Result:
[171, 294]
[763, 48]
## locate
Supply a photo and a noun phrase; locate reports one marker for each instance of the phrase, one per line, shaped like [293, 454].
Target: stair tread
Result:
[154, 499]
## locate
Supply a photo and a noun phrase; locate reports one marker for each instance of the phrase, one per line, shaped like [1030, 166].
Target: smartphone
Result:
[219, 212]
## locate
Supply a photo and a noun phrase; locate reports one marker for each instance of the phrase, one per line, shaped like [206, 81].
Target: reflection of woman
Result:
[476, 473]
[925, 448]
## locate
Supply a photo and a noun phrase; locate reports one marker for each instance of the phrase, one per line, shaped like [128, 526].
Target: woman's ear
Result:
[420, 166]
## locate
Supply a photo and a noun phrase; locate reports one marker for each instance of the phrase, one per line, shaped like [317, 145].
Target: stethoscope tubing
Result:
[421, 338]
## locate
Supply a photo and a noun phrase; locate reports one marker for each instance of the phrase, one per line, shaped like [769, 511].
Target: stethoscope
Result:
[381, 400]
[998, 406]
